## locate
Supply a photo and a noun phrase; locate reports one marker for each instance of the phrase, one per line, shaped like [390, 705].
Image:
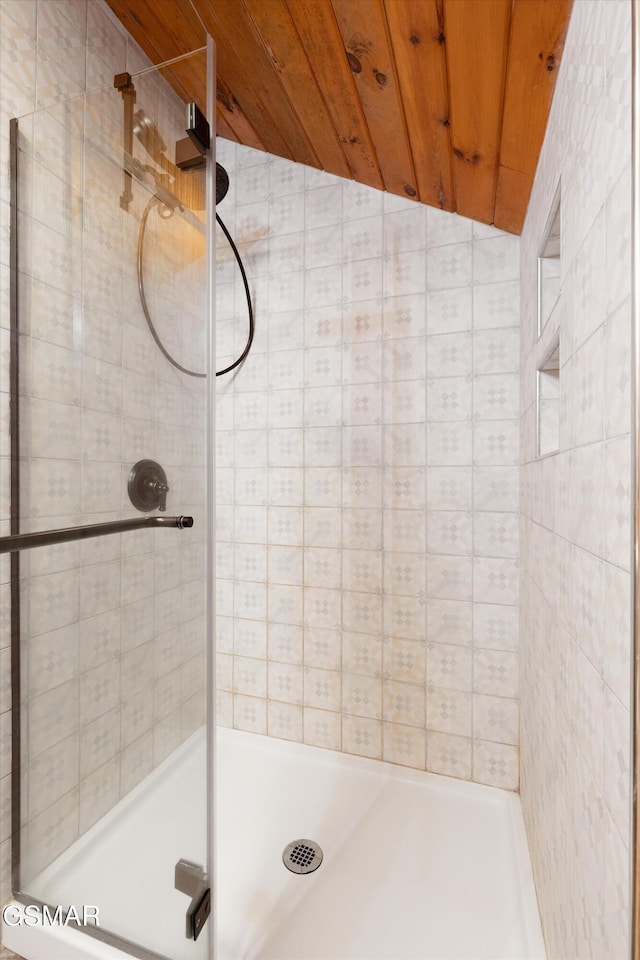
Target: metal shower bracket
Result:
[124, 83]
[192, 150]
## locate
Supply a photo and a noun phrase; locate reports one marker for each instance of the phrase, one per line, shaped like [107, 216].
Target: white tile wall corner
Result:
[113, 675]
[575, 542]
[368, 474]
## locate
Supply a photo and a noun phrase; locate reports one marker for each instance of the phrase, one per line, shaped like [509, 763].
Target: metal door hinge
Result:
[191, 879]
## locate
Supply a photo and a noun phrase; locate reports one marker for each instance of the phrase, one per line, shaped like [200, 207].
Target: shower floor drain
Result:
[302, 856]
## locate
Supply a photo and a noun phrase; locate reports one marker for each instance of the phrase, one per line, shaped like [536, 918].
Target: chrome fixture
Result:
[302, 856]
[147, 486]
[47, 538]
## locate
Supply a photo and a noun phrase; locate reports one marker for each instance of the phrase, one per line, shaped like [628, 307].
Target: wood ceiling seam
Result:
[229, 64]
[400, 98]
[356, 138]
[239, 124]
[339, 169]
[329, 149]
[404, 115]
[196, 13]
[440, 12]
[489, 85]
[539, 33]
[477, 35]
[224, 129]
[224, 122]
[365, 36]
[238, 34]
[501, 114]
[418, 47]
[143, 27]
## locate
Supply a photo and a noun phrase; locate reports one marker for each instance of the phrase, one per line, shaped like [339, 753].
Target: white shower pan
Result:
[415, 865]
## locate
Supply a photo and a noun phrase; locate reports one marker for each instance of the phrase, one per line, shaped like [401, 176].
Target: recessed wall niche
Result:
[548, 347]
[549, 401]
[549, 268]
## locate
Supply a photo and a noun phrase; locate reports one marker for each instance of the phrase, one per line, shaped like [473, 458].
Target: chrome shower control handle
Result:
[148, 487]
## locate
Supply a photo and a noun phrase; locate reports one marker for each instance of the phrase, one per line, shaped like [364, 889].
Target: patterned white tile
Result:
[495, 719]
[449, 266]
[449, 621]
[495, 764]
[449, 488]
[449, 311]
[449, 755]
[284, 720]
[404, 745]
[617, 761]
[617, 630]
[404, 316]
[496, 305]
[449, 398]
[449, 578]
[450, 444]
[321, 728]
[449, 532]
[617, 494]
[449, 666]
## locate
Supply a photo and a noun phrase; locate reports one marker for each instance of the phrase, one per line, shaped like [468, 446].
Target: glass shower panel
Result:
[112, 357]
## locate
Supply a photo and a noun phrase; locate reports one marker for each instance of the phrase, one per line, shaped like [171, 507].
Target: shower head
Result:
[222, 182]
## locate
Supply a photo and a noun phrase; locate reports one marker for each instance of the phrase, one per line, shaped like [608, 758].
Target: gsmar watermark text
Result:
[36, 915]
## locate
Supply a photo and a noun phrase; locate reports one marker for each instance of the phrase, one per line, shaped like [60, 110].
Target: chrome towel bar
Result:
[47, 538]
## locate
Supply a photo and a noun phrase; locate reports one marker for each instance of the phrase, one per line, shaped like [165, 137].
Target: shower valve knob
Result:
[148, 487]
[157, 491]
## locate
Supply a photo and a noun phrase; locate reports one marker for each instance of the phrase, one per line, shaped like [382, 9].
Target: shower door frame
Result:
[105, 936]
[634, 865]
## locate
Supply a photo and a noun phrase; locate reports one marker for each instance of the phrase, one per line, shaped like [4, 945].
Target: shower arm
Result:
[47, 538]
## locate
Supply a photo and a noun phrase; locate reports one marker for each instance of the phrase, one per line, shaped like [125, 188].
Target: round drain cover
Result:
[302, 856]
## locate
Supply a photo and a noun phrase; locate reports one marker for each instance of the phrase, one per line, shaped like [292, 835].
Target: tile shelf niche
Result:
[548, 392]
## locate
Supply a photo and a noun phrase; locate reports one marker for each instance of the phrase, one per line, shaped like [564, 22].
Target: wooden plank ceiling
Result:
[444, 101]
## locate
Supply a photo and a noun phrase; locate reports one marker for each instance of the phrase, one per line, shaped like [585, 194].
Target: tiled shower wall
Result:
[576, 526]
[113, 632]
[367, 452]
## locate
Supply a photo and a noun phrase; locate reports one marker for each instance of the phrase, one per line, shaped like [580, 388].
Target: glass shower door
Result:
[111, 632]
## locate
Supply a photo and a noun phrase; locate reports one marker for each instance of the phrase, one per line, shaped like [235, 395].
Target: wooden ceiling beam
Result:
[417, 42]
[476, 40]
[318, 30]
[364, 31]
[538, 32]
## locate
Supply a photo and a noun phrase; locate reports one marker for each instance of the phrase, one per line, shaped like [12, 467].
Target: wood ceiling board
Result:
[476, 40]
[229, 108]
[448, 59]
[363, 27]
[232, 27]
[418, 49]
[189, 80]
[237, 77]
[283, 46]
[222, 127]
[538, 31]
[512, 199]
[316, 25]
[166, 30]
